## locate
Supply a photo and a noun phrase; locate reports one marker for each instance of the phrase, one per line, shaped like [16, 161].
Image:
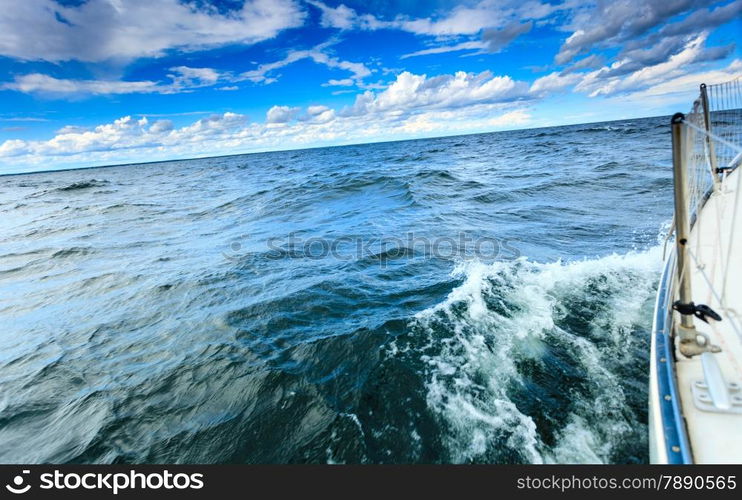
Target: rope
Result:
[712, 149]
[729, 317]
[712, 135]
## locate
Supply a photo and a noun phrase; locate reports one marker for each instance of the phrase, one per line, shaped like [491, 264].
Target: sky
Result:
[101, 82]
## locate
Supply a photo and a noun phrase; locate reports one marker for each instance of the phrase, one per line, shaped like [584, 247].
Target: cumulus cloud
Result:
[161, 126]
[71, 129]
[126, 133]
[412, 105]
[97, 31]
[13, 147]
[410, 91]
[510, 119]
[281, 114]
[131, 140]
[554, 82]
[318, 114]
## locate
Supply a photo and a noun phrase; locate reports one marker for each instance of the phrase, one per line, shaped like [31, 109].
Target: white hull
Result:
[686, 424]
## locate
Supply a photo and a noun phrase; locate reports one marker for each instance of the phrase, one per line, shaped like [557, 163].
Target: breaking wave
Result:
[529, 362]
[75, 186]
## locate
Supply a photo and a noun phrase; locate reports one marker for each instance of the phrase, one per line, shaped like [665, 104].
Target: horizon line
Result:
[173, 160]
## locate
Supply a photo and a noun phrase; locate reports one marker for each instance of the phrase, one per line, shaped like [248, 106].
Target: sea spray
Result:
[518, 334]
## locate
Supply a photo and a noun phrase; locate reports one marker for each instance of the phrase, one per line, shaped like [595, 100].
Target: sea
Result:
[473, 299]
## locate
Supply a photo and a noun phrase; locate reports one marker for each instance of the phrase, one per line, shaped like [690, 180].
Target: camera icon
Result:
[17, 486]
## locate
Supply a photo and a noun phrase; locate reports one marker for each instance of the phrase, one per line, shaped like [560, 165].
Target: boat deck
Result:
[715, 246]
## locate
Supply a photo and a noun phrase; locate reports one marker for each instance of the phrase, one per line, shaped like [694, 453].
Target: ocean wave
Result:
[71, 252]
[165, 329]
[75, 186]
[525, 362]
[613, 128]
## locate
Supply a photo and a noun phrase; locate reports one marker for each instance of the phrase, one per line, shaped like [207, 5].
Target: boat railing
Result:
[706, 148]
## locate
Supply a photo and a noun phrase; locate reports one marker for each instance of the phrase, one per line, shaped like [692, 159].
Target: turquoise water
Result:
[482, 298]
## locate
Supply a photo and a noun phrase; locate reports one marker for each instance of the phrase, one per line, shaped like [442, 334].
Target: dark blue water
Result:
[484, 298]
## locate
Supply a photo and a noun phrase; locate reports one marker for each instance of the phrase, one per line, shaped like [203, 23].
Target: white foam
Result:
[505, 312]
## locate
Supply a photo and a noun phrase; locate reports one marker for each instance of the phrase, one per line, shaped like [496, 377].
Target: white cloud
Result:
[316, 110]
[182, 79]
[344, 82]
[131, 140]
[461, 20]
[126, 133]
[214, 125]
[554, 82]
[281, 114]
[22, 119]
[495, 22]
[186, 79]
[345, 18]
[13, 147]
[161, 126]
[472, 45]
[608, 23]
[71, 129]
[38, 83]
[589, 62]
[518, 117]
[674, 80]
[97, 31]
[336, 17]
[625, 77]
[262, 73]
[184, 76]
[410, 92]
[600, 82]
[681, 89]
[500, 16]
[319, 114]
[412, 105]
[498, 39]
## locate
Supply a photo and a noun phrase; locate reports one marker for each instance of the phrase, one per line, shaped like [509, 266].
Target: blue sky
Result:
[98, 82]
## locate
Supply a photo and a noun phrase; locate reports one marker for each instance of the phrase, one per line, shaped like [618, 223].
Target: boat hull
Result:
[668, 438]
